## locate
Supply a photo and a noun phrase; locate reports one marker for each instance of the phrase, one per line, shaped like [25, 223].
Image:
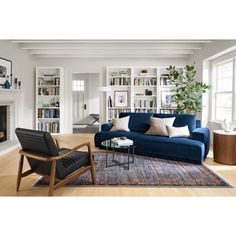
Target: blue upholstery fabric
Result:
[138, 122]
[181, 149]
[106, 127]
[181, 120]
[202, 135]
[193, 149]
[198, 124]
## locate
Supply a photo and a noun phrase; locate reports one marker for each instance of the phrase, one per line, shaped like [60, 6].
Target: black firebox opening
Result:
[3, 123]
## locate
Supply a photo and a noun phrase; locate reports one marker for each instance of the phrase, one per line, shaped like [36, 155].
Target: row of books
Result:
[167, 111]
[119, 81]
[49, 81]
[144, 110]
[114, 113]
[145, 81]
[52, 127]
[145, 103]
[48, 113]
[49, 91]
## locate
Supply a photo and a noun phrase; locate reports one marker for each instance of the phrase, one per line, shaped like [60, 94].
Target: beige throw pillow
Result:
[121, 124]
[158, 126]
[178, 131]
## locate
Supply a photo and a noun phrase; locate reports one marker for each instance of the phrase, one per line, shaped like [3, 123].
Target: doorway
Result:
[85, 102]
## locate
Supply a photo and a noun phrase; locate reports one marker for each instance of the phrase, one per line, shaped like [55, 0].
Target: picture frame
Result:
[121, 98]
[167, 100]
[5, 69]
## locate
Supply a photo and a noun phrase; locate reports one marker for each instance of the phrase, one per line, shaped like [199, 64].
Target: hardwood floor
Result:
[9, 165]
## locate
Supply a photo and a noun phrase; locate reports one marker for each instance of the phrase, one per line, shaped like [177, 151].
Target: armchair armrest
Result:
[202, 135]
[55, 158]
[106, 127]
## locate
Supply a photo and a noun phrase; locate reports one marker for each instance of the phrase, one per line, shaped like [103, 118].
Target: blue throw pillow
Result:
[180, 120]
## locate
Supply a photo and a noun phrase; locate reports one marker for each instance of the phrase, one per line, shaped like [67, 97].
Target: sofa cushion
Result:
[180, 120]
[138, 122]
[178, 131]
[158, 126]
[120, 124]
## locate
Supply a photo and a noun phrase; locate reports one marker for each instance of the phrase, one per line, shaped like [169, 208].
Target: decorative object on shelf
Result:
[121, 98]
[167, 99]
[19, 84]
[187, 91]
[143, 73]
[109, 101]
[15, 83]
[148, 92]
[5, 69]
[7, 84]
[227, 126]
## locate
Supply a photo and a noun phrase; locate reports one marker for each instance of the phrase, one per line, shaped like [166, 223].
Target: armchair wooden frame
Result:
[55, 183]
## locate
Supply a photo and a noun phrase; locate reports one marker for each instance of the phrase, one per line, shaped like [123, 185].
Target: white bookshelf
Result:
[144, 86]
[49, 99]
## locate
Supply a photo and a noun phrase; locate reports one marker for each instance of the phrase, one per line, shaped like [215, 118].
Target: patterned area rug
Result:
[147, 171]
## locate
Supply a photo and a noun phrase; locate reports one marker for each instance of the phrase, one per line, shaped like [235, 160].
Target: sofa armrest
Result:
[202, 135]
[106, 127]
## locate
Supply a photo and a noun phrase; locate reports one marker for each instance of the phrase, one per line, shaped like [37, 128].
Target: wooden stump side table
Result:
[224, 147]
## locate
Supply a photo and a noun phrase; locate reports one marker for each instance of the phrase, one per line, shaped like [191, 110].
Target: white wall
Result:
[23, 69]
[98, 65]
[203, 62]
[210, 51]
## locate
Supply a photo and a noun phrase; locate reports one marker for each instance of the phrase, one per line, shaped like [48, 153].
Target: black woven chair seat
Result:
[71, 163]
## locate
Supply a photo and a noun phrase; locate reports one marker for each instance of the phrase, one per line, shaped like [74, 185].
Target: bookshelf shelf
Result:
[49, 94]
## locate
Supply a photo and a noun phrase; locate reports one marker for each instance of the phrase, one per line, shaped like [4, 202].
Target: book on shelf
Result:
[115, 112]
[145, 81]
[109, 101]
[168, 110]
[49, 91]
[52, 127]
[48, 81]
[119, 81]
[48, 113]
[122, 142]
[145, 103]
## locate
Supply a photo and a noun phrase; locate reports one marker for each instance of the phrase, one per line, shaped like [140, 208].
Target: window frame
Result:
[215, 90]
[78, 86]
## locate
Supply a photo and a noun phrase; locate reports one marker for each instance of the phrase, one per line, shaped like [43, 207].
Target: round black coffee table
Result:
[115, 148]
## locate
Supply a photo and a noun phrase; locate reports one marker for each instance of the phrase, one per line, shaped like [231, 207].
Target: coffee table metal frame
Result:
[113, 147]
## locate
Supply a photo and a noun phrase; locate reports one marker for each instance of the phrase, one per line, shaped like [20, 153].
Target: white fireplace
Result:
[13, 100]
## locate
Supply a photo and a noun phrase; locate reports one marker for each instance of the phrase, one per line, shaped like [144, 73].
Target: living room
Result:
[118, 116]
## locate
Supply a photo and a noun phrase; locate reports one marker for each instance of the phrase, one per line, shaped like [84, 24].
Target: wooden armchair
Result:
[59, 165]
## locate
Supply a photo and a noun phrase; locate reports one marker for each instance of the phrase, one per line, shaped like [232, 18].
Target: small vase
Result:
[226, 125]
[7, 84]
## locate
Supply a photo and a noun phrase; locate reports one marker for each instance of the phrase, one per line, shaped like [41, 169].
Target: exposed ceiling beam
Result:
[95, 46]
[110, 56]
[110, 52]
[112, 41]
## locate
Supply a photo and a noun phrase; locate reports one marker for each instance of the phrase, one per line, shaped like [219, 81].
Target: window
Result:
[78, 85]
[223, 86]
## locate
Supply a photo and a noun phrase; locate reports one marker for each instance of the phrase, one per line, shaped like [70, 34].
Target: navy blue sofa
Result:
[193, 149]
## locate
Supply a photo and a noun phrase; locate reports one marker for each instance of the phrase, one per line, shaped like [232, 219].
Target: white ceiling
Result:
[111, 48]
